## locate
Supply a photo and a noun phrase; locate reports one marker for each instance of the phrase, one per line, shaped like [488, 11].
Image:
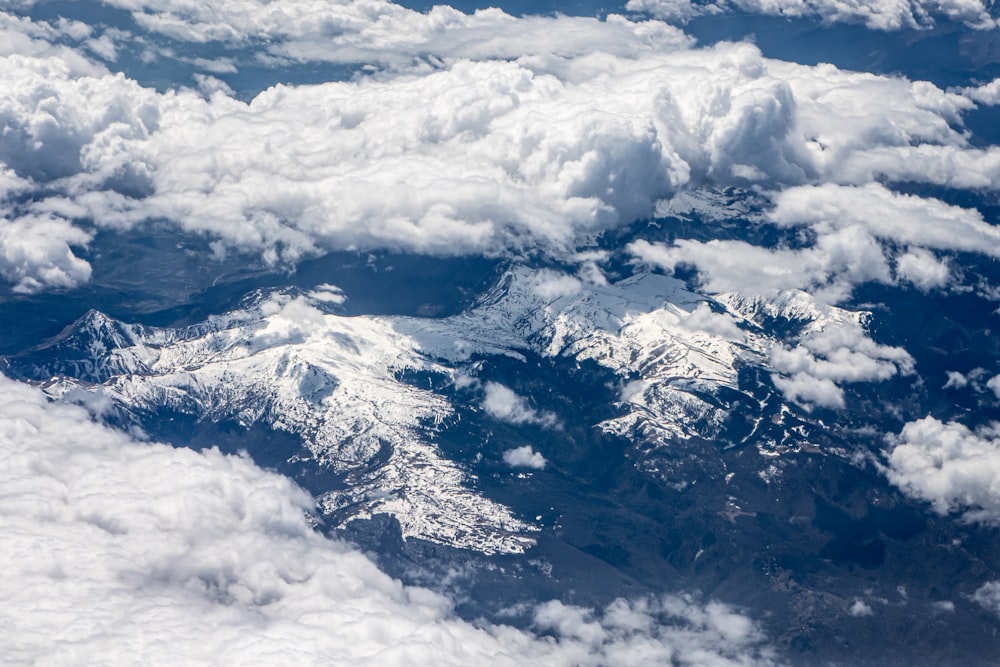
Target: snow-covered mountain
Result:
[289, 360]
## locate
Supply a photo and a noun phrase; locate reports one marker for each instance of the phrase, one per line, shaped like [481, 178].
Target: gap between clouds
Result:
[116, 549]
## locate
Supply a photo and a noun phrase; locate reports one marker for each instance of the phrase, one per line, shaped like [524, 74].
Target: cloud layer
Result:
[465, 156]
[120, 551]
[378, 31]
[875, 14]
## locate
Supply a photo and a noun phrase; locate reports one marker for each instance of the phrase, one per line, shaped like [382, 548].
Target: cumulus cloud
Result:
[875, 14]
[501, 402]
[36, 253]
[956, 380]
[923, 269]
[904, 219]
[988, 595]
[994, 385]
[703, 319]
[811, 372]
[118, 551]
[524, 457]
[387, 33]
[988, 93]
[977, 380]
[858, 231]
[552, 285]
[209, 85]
[860, 609]
[489, 155]
[831, 268]
[24, 37]
[628, 625]
[950, 466]
[36, 250]
[327, 293]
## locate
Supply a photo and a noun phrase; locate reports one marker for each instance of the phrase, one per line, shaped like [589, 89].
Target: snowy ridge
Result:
[665, 343]
[286, 361]
[793, 306]
[329, 379]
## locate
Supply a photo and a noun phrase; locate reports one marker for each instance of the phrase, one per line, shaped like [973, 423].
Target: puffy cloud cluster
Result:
[471, 156]
[524, 457]
[994, 385]
[829, 269]
[860, 609]
[862, 233]
[35, 250]
[988, 595]
[977, 380]
[496, 155]
[22, 36]
[987, 94]
[36, 253]
[858, 234]
[632, 633]
[875, 14]
[378, 31]
[887, 216]
[501, 402]
[118, 551]
[811, 372]
[950, 466]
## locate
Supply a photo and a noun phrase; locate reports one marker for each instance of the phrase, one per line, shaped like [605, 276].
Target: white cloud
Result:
[806, 390]
[551, 285]
[524, 457]
[956, 381]
[976, 380]
[491, 156]
[104, 47]
[946, 165]
[812, 371]
[118, 551]
[875, 14]
[994, 385]
[629, 624]
[35, 253]
[35, 249]
[944, 606]
[987, 94]
[860, 609]
[950, 466]
[988, 595]
[209, 85]
[327, 293]
[704, 319]
[23, 37]
[384, 32]
[831, 268]
[886, 215]
[923, 269]
[857, 230]
[503, 403]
